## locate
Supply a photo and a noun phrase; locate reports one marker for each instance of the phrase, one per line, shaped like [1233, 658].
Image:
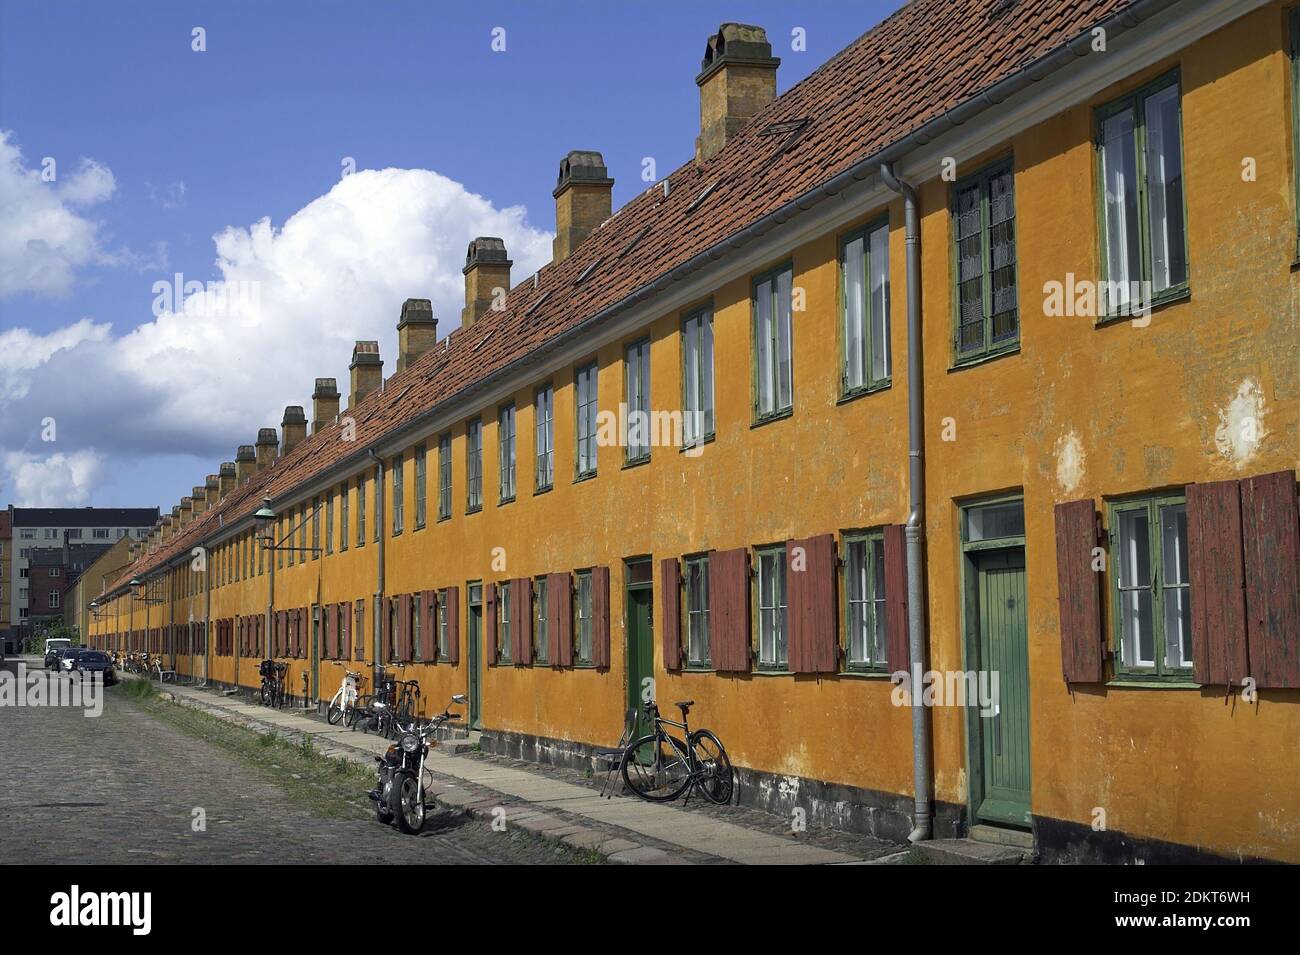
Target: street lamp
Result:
[264, 519]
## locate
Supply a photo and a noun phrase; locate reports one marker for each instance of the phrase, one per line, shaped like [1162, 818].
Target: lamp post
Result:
[264, 518]
[140, 594]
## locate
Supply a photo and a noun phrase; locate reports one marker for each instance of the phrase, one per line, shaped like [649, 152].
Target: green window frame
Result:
[773, 343]
[986, 282]
[544, 437]
[582, 655]
[379, 504]
[421, 476]
[506, 452]
[343, 516]
[504, 645]
[696, 580]
[866, 646]
[361, 510]
[636, 394]
[586, 386]
[771, 619]
[865, 358]
[329, 521]
[302, 531]
[1150, 592]
[444, 477]
[399, 496]
[697, 377]
[1133, 251]
[540, 647]
[442, 624]
[474, 466]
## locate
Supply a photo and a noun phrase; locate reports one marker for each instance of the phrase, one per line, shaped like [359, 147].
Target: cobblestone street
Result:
[124, 787]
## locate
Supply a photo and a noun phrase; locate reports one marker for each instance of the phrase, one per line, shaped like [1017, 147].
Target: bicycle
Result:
[345, 699]
[272, 689]
[659, 767]
[375, 710]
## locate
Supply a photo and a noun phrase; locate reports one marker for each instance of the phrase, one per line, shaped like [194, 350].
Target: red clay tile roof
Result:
[918, 64]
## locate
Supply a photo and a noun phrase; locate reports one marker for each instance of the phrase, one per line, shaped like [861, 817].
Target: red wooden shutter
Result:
[521, 620]
[1079, 593]
[559, 629]
[897, 647]
[490, 624]
[385, 629]
[278, 636]
[810, 602]
[1217, 582]
[600, 617]
[453, 625]
[345, 628]
[670, 600]
[428, 627]
[1272, 566]
[729, 609]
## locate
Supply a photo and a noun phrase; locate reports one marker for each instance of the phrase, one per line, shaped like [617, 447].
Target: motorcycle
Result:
[399, 795]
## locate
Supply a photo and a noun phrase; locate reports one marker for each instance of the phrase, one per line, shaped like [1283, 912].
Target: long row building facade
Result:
[934, 429]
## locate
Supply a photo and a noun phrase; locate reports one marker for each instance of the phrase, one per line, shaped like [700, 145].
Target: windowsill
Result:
[506, 500]
[444, 517]
[1154, 683]
[635, 462]
[984, 358]
[474, 510]
[543, 490]
[853, 394]
[867, 674]
[774, 416]
[396, 534]
[589, 476]
[418, 527]
[583, 666]
[770, 671]
[699, 668]
[1173, 296]
[707, 439]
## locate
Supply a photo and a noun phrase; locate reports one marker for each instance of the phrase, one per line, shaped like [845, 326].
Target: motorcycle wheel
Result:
[406, 803]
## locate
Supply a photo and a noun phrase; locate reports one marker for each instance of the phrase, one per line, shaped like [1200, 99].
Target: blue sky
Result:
[183, 146]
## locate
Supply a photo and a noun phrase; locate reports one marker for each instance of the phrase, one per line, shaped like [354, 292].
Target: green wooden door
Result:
[1004, 649]
[315, 652]
[640, 653]
[475, 650]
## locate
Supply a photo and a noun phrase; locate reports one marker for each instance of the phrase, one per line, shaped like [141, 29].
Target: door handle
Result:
[997, 729]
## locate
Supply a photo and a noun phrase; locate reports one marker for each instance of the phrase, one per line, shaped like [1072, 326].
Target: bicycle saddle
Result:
[684, 705]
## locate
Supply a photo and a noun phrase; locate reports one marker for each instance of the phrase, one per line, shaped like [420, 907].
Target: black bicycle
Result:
[272, 690]
[660, 767]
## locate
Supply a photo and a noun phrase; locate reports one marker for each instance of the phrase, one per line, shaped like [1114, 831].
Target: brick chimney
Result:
[186, 510]
[583, 200]
[367, 370]
[417, 331]
[213, 487]
[737, 79]
[245, 464]
[267, 443]
[229, 475]
[486, 269]
[324, 403]
[294, 428]
[200, 499]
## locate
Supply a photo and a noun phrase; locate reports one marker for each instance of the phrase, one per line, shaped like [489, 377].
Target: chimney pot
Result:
[294, 428]
[487, 277]
[737, 79]
[583, 200]
[228, 477]
[417, 331]
[324, 403]
[367, 370]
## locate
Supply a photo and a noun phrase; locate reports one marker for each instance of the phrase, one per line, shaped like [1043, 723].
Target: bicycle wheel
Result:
[334, 715]
[716, 779]
[656, 768]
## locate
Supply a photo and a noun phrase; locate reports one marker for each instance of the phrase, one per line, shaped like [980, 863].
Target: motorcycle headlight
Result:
[410, 742]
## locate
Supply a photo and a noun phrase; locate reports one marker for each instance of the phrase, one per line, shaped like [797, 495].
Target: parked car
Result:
[53, 647]
[96, 661]
[68, 658]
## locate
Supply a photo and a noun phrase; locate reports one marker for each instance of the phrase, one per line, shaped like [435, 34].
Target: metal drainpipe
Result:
[377, 669]
[916, 638]
[207, 615]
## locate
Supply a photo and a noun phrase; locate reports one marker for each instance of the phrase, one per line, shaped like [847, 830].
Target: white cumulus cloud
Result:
[55, 480]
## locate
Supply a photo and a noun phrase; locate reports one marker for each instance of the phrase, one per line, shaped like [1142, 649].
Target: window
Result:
[394, 619]
[1152, 594]
[506, 452]
[697, 376]
[864, 600]
[636, 381]
[773, 649]
[474, 466]
[302, 530]
[540, 648]
[984, 235]
[74, 534]
[697, 612]
[864, 320]
[315, 528]
[54, 571]
[583, 618]
[359, 631]
[442, 624]
[379, 503]
[773, 382]
[54, 599]
[586, 387]
[544, 416]
[27, 534]
[101, 533]
[361, 511]
[398, 502]
[1295, 118]
[1143, 232]
[288, 542]
[343, 517]
[503, 622]
[444, 477]
[420, 471]
[417, 616]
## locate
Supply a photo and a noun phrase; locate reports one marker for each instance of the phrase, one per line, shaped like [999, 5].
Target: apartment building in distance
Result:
[8, 635]
[968, 497]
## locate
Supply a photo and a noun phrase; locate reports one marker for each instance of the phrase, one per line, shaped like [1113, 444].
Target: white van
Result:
[54, 645]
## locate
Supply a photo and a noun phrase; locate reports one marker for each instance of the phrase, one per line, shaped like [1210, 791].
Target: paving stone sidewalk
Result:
[621, 829]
